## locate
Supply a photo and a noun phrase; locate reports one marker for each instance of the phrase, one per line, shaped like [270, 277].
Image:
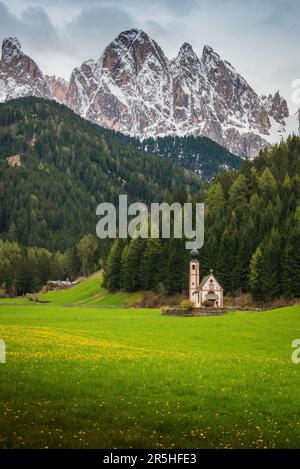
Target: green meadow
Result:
[87, 377]
[91, 292]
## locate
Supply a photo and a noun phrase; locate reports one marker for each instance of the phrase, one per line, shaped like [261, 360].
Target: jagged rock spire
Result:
[11, 48]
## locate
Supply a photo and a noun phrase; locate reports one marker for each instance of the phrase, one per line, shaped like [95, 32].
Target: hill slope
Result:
[67, 166]
[199, 154]
[90, 292]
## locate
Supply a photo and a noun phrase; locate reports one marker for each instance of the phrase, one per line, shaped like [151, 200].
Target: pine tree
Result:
[270, 266]
[86, 250]
[267, 183]
[226, 259]
[214, 200]
[150, 265]
[113, 271]
[173, 281]
[125, 280]
[255, 272]
[238, 192]
[131, 259]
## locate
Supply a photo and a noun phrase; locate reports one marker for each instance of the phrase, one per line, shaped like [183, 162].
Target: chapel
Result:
[208, 291]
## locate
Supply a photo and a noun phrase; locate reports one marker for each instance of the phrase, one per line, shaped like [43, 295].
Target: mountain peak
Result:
[12, 42]
[132, 35]
[186, 47]
[133, 32]
[185, 51]
[207, 49]
[276, 106]
[134, 47]
[187, 60]
[209, 54]
[212, 61]
[11, 47]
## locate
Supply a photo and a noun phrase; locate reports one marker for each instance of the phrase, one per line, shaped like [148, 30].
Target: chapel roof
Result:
[206, 278]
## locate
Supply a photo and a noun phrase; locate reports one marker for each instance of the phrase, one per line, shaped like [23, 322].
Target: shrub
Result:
[186, 305]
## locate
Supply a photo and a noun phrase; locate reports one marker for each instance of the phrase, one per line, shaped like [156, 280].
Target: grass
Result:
[84, 377]
[90, 292]
[17, 300]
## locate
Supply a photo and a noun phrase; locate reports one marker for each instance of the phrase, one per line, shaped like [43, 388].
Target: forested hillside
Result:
[198, 154]
[252, 235]
[67, 167]
[27, 269]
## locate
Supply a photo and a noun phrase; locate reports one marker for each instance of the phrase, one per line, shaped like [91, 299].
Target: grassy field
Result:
[88, 292]
[91, 292]
[12, 301]
[85, 377]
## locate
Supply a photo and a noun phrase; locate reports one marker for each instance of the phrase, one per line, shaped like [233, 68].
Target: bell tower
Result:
[194, 279]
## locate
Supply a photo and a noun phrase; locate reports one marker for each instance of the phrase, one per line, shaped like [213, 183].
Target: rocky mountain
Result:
[58, 88]
[135, 89]
[20, 76]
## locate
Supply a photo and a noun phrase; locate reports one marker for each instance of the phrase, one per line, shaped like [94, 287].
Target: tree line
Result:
[26, 269]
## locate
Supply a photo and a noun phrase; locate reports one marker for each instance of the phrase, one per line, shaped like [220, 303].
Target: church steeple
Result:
[194, 253]
[194, 279]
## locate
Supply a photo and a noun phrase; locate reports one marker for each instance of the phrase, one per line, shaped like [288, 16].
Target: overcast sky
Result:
[259, 37]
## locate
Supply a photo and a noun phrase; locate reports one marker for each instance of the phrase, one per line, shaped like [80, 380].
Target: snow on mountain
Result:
[20, 76]
[128, 89]
[11, 49]
[58, 88]
[134, 88]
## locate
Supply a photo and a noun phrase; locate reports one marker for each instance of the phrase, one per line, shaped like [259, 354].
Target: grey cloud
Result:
[38, 27]
[180, 6]
[33, 28]
[259, 37]
[177, 7]
[7, 21]
[84, 36]
[155, 29]
[95, 27]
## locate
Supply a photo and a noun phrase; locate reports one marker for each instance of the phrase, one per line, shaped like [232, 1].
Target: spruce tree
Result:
[270, 266]
[255, 272]
[113, 270]
[173, 281]
[150, 265]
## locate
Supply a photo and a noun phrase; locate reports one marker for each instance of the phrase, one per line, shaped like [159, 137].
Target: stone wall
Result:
[178, 311]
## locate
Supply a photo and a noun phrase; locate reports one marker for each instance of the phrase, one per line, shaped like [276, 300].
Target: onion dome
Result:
[194, 254]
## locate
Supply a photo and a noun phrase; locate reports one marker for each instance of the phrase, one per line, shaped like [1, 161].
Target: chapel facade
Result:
[208, 291]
